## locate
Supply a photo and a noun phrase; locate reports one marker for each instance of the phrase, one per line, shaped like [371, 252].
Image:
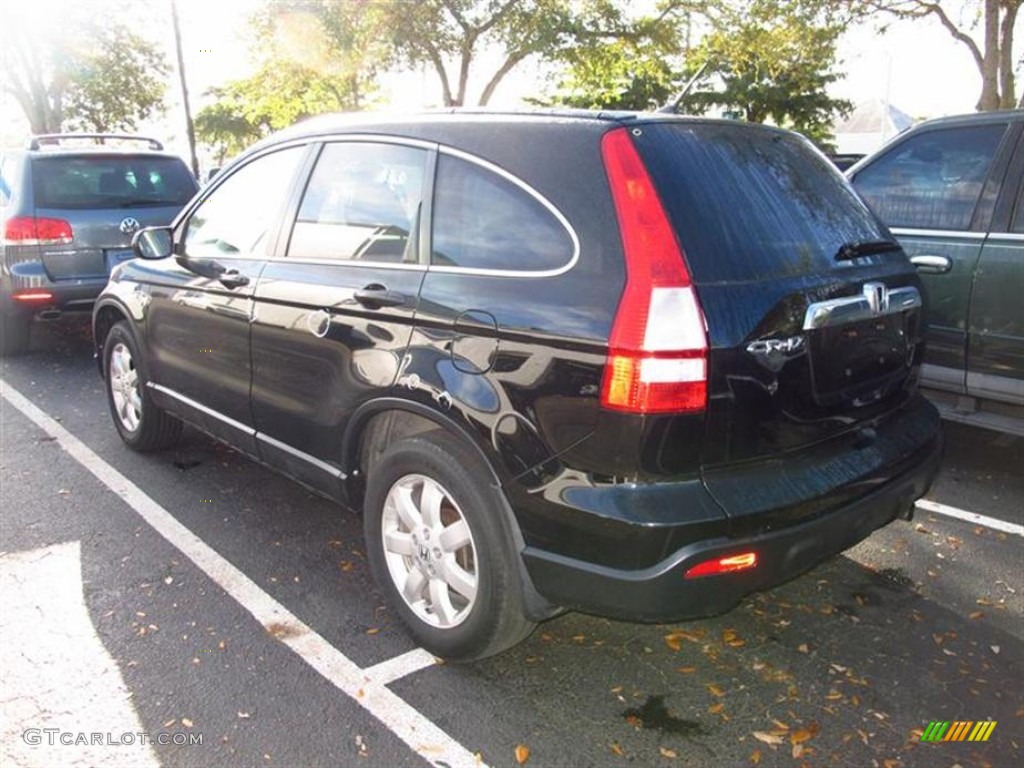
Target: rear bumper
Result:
[661, 593]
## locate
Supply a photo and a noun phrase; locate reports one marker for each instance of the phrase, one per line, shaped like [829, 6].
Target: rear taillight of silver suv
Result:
[34, 230]
[657, 352]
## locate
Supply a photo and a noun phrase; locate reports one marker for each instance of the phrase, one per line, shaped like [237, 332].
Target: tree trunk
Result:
[1007, 86]
[990, 59]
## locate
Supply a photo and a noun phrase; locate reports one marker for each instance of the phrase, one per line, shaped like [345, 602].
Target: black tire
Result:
[142, 426]
[446, 623]
[14, 334]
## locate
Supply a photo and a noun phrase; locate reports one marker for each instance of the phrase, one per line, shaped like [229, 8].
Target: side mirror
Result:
[153, 243]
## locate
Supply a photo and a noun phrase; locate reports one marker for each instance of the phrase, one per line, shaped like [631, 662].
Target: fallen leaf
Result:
[169, 723]
[616, 749]
[686, 670]
[767, 738]
[714, 690]
[672, 639]
[803, 648]
[373, 630]
[798, 751]
[731, 638]
[186, 722]
[522, 753]
[976, 615]
[578, 638]
[755, 757]
[889, 763]
[803, 734]
[669, 753]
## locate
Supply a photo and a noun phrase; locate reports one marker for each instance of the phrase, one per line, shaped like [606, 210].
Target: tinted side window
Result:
[932, 180]
[111, 182]
[484, 221]
[235, 218]
[362, 202]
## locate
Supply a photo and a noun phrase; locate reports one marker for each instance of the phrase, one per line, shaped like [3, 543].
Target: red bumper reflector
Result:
[741, 562]
[31, 295]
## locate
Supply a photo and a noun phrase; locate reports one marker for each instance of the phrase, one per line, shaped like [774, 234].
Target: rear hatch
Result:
[105, 198]
[813, 312]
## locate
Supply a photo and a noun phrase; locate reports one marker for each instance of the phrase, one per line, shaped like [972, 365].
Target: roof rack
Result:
[55, 139]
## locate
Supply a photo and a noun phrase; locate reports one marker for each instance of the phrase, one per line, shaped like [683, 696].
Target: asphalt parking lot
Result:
[216, 599]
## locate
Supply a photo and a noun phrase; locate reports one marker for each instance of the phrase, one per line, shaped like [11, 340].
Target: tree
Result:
[993, 55]
[81, 74]
[279, 94]
[771, 60]
[448, 36]
[314, 57]
[624, 64]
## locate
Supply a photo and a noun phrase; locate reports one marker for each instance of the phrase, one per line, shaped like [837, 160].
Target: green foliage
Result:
[315, 57]
[617, 75]
[85, 70]
[438, 33]
[772, 60]
[117, 84]
[623, 64]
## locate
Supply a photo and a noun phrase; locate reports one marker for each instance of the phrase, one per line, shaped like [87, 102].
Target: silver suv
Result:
[70, 205]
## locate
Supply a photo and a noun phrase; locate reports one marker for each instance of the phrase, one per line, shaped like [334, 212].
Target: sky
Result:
[916, 66]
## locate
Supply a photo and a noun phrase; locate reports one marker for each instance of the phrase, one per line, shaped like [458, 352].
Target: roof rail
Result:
[51, 139]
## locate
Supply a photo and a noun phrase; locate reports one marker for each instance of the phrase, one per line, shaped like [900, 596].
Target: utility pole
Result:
[184, 90]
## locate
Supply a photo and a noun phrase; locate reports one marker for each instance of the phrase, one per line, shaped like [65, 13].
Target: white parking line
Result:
[971, 517]
[368, 690]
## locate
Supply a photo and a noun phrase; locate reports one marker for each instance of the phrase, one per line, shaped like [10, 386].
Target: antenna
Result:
[673, 106]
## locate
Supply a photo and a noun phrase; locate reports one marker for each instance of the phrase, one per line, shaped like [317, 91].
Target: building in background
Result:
[871, 124]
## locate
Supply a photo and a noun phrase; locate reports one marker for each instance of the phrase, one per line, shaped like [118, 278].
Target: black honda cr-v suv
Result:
[630, 364]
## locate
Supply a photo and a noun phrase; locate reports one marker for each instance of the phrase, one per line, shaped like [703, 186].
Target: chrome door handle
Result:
[232, 278]
[932, 265]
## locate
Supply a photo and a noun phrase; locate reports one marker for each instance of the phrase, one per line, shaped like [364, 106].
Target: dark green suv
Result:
[952, 191]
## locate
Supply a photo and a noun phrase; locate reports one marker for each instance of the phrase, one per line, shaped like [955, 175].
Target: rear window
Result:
[750, 204]
[111, 182]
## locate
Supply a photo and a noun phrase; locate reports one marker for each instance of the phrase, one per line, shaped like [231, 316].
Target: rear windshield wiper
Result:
[140, 202]
[857, 248]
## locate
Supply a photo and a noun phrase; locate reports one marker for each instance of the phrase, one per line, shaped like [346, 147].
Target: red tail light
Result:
[657, 356]
[32, 294]
[741, 562]
[29, 230]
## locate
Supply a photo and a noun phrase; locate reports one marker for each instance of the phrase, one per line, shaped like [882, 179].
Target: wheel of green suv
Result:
[438, 546]
[142, 425]
[14, 334]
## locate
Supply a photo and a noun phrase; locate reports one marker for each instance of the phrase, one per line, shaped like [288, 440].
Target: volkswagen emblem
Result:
[129, 226]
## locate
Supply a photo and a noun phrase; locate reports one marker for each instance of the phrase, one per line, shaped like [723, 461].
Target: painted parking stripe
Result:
[971, 517]
[369, 691]
[61, 687]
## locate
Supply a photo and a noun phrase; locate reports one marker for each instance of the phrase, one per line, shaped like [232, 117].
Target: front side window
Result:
[237, 216]
[362, 203]
[932, 180]
[484, 221]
